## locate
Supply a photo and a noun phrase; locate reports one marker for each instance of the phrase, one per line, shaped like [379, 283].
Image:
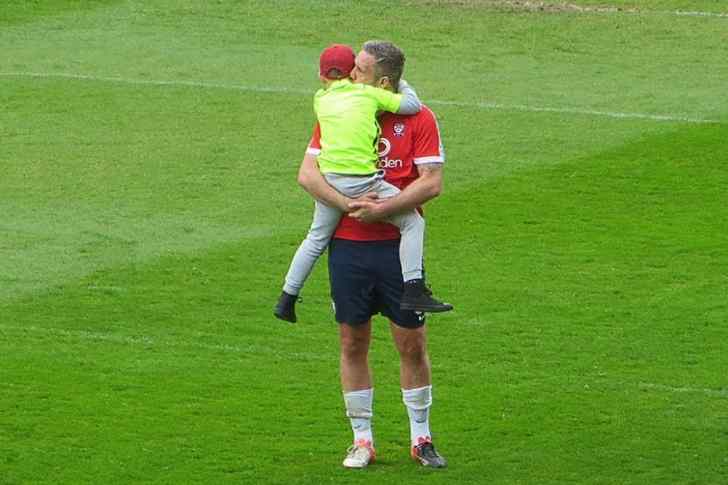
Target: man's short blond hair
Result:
[389, 60]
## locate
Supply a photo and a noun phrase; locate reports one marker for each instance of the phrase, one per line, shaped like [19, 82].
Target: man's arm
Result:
[426, 187]
[310, 178]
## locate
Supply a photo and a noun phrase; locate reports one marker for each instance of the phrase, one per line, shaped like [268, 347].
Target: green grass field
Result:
[149, 209]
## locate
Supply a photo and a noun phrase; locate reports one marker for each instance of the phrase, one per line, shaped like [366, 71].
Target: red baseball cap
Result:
[337, 56]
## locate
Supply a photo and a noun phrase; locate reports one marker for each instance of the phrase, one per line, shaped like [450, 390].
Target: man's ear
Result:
[384, 82]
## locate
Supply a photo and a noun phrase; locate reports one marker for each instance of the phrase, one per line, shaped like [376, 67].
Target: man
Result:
[364, 264]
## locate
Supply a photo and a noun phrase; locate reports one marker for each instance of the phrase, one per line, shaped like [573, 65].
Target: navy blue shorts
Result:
[366, 279]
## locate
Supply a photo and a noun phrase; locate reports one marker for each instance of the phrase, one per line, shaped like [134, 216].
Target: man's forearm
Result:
[423, 189]
[313, 182]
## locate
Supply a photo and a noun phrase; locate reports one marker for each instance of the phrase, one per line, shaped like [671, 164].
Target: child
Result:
[346, 114]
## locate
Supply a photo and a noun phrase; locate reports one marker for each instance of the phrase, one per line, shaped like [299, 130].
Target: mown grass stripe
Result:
[146, 341]
[473, 104]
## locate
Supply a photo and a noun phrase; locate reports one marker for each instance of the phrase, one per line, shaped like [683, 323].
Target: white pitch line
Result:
[145, 341]
[152, 82]
[286, 90]
[579, 111]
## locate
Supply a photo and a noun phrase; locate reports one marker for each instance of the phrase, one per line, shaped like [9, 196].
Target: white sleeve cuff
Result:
[313, 151]
[421, 160]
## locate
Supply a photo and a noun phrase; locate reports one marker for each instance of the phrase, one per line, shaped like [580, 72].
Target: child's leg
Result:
[416, 296]
[411, 246]
[325, 220]
[412, 228]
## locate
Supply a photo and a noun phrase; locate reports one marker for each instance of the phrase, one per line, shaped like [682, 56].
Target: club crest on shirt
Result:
[398, 129]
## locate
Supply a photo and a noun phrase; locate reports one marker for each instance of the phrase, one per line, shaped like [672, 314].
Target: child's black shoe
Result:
[285, 309]
[417, 297]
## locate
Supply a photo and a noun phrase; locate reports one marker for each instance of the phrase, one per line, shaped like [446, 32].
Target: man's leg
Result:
[356, 383]
[416, 382]
[414, 377]
[355, 373]
[408, 332]
[352, 287]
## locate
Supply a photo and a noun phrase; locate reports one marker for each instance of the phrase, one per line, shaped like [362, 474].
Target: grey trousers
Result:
[325, 220]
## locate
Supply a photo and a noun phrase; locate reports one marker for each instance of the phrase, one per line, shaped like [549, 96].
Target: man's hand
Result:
[345, 207]
[368, 197]
[367, 208]
[426, 187]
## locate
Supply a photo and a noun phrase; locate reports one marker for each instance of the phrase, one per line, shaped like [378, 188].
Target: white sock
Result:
[359, 410]
[418, 402]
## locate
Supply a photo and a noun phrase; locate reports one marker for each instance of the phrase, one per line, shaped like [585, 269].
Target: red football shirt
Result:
[405, 142]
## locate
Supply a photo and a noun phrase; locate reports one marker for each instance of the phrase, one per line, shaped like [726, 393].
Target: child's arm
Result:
[410, 103]
[405, 102]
